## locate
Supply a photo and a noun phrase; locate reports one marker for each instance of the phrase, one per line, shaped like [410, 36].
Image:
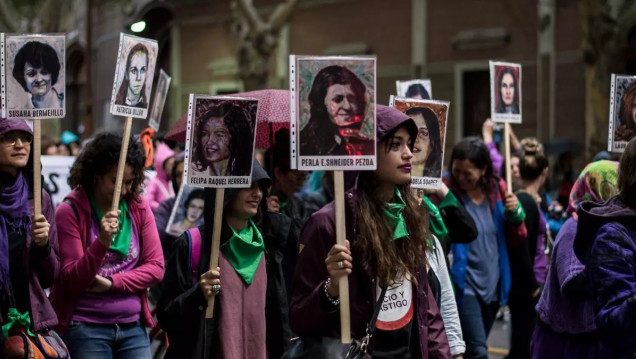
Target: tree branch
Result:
[7, 16]
[255, 22]
[282, 13]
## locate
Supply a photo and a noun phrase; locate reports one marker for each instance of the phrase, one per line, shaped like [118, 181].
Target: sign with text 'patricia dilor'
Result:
[136, 60]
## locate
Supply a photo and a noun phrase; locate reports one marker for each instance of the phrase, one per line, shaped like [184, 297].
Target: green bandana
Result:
[393, 212]
[244, 251]
[121, 239]
[15, 318]
[435, 220]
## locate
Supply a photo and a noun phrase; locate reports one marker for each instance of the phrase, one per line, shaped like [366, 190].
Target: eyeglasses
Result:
[11, 138]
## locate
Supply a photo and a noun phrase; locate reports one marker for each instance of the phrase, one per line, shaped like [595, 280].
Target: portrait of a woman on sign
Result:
[223, 137]
[625, 114]
[507, 90]
[35, 74]
[336, 108]
[132, 90]
[187, 211]
[133, 76]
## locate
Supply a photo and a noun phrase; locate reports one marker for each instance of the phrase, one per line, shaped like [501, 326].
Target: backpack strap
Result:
[72, 205]
[194, 237]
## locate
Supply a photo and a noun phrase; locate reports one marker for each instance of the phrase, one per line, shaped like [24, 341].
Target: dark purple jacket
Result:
[606, 244]
[44, 267]
[309, 317]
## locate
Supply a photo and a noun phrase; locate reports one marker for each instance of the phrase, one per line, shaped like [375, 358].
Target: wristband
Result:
[334, 301]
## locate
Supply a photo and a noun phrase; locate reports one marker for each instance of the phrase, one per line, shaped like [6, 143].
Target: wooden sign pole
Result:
[341, 234]
[507, 154]
[122, 163]
[216, 241]
[37, 168]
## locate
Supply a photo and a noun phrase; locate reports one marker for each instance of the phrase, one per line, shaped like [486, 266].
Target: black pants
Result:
[523, 319]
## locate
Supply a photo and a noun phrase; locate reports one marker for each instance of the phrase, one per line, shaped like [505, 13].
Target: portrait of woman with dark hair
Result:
[417, 91]
[37, 68]
[337, 103]
[192, 210]
[222, 141]
[508, 89]
[626, 130]
[427, 151]
[132, 91]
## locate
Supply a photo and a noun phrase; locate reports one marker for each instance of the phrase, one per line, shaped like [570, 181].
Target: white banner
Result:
[56, 171]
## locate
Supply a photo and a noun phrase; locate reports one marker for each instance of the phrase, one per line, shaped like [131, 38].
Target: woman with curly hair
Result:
[109, 258]
[222, 146]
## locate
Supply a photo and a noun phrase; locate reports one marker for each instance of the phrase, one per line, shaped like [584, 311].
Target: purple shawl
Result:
[14, 217]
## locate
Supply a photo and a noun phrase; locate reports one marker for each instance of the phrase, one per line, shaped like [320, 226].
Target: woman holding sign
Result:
[388, 240]
[250, 312]
[481, 269]
[28, 244]
[109, 258]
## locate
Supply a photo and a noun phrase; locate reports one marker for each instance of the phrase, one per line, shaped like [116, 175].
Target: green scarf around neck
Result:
[121, 239]
[393, 212]
[16, 318]
[244, 251]
[435, 220]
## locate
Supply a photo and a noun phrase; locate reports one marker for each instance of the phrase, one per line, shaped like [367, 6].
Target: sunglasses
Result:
[11, 138]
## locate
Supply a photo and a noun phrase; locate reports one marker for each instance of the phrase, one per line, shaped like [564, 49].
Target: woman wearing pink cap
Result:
[29, 258]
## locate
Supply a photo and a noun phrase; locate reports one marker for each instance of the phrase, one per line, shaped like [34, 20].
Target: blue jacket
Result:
[510, 229]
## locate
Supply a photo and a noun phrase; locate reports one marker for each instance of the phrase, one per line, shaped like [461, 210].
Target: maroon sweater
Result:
[309, 317]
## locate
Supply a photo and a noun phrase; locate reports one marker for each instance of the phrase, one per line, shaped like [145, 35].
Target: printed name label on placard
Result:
[362, 162]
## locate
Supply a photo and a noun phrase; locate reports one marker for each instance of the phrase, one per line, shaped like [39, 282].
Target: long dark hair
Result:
[319, 130]
[627, 174]
[385, 258]
[237, 121]
[327, 77]
[433, 165]
[417, 89]
[474, 150]
[626, 107]
[120, 99]
[99, 157]
[501, 107]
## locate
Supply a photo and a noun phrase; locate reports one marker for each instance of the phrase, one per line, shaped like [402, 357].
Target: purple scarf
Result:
[15, 216]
